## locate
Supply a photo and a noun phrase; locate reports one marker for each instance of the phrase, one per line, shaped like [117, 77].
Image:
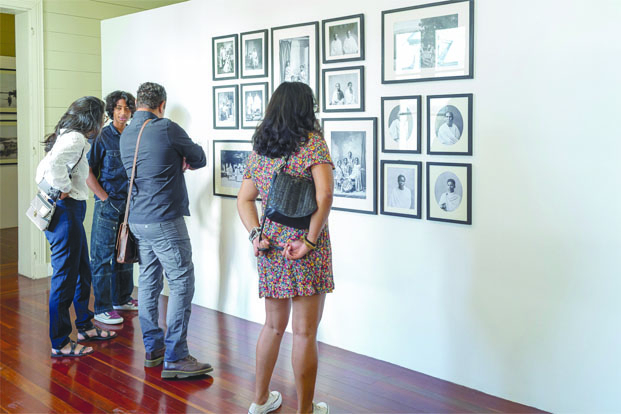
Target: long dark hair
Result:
[289, 118]
[85, 116]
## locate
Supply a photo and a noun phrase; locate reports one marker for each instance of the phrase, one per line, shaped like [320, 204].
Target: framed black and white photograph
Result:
[428, 42]
[401, 188]
[253, 104]
[343, 39]
[225, 102]
[224, 57]
[353, 143]
[401, 124]
[343, 89]
[254, 54]
[229, 162]
[449, 124]
[8, 142]
[449, 192]
[8, 89]
[295, 55]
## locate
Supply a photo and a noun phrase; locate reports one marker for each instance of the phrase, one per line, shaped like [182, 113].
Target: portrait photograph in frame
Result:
[225, 104]
[343, 89]
[352, 143]
[343, 39]
[295, 55]
[449, 192]
[254, 54]
[229, 162]
[449, 124]
[401, 124]
[401, 188]
[253, 104]
[428, 42]
[8, 142]
[224, 57]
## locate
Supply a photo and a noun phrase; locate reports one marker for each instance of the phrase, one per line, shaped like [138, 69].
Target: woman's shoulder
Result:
[70, 138]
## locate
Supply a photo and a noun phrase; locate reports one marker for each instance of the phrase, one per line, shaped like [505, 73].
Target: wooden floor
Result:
[113, 379]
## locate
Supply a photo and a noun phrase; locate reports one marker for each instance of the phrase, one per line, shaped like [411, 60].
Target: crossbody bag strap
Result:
[131, 181]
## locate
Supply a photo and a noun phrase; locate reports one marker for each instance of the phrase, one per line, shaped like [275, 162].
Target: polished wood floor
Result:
[113, 379]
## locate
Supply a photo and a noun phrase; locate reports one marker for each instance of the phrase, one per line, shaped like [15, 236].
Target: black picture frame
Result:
[246, 122]
[334, 76]
[344, 137]
[8, 139]
[220, 57]
[456, 210]
[248, 69]
[340, 26]
[455, 139]
[233, 171]
[296, 32]
[413, 56]
[232, 110]
[392, 134]
[391, 204]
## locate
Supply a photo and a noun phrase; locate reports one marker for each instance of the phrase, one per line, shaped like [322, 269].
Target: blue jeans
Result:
[113, 282]
[165, 247]
[71, 280]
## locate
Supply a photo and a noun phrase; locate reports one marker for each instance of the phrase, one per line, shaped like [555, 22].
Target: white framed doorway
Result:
[32, 259]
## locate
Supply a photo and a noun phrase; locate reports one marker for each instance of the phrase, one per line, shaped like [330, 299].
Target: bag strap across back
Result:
[131, 181]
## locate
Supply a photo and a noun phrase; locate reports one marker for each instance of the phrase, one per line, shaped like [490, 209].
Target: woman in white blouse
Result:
[62, 174]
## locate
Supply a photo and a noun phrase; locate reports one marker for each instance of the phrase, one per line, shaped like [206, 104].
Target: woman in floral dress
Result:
[296, 269]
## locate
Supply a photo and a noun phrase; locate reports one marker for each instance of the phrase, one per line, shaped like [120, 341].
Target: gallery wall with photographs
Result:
[492, 136]
[422, 43]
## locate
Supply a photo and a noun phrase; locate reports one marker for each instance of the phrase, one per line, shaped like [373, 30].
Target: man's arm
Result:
[193, 154]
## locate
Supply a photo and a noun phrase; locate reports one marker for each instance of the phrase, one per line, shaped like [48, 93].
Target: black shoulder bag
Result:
[291, 200]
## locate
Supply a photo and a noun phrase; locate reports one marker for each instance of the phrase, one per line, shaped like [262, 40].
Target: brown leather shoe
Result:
[186, 367]
[153, 359]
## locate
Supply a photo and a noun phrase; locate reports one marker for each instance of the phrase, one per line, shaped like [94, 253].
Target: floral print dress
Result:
[278, 277]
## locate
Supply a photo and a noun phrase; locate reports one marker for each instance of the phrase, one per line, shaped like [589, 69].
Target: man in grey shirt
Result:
[159, 201]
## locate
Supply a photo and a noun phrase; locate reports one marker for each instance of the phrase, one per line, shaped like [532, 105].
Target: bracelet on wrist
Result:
[309, 243]
[254, 233]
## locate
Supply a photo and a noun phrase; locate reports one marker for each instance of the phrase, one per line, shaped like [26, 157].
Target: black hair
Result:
[85, 116]
[113, 98]
[150, 95]
[449, 180]
[289, 118]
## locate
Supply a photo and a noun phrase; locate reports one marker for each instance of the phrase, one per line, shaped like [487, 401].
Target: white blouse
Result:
[54, 167]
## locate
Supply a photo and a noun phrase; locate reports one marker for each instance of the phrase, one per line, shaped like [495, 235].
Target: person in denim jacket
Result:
[113, 282]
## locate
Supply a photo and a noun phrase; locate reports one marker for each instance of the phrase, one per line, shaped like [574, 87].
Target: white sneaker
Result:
[109, 318]
[132, 305]
[321, 408]
[272, 404]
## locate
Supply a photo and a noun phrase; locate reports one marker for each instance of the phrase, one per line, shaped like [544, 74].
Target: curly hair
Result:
[150, 95]
[85, 116]
[113, 98]
[289, 118]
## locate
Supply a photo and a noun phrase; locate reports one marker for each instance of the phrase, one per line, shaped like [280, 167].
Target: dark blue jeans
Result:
[113, 282]
[71, 280]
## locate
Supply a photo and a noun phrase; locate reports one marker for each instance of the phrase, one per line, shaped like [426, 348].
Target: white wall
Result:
[524, 303]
